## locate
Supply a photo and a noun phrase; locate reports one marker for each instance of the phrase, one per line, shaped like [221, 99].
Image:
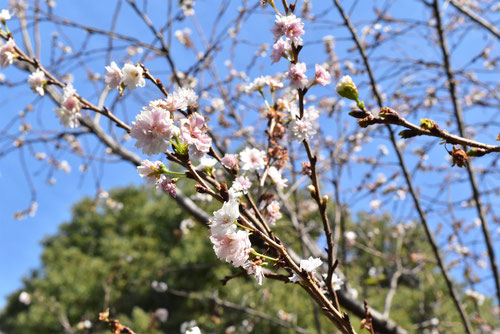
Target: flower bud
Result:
[312, 190]
[476, 152]
[347, 88]
[408, 134]
[428, 124]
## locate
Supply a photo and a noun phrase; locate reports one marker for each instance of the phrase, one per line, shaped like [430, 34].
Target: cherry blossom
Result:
[68, 112]
[272, 212]
[7, 53]
[132, 76]
[153, 128]
[277, 177]
[252, 159]
[309, 265]
[280, 49]
[240, 186]
[195, 329]
[255, 270]
[290, 26]
[37, 80]
[193, 132]
[168, 186]
[114, 76]
[151, 171]
[222, 222]
[188, 97]
[322, 76]
[233, 247]
[305, 127]
[297, 75]
[229, 160]
[5, 15]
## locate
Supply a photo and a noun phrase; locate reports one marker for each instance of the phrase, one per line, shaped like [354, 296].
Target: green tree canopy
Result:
[140, 255]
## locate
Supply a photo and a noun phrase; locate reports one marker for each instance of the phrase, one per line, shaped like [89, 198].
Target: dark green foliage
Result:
[109, 257]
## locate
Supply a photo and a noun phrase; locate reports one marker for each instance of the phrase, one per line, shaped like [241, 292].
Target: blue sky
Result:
[19, 240]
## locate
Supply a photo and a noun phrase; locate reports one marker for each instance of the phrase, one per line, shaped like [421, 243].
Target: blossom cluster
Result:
[154, 173]
[69, 109]
[129, 76]
[155, 128]
[7, 53]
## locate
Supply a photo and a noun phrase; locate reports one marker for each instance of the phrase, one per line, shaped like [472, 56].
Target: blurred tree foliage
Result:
[122, 252]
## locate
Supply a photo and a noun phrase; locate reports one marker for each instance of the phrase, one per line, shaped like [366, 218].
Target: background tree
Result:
[153, 266]
[423, 73]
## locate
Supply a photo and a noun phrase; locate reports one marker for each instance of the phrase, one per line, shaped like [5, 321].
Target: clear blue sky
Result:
[19, 240]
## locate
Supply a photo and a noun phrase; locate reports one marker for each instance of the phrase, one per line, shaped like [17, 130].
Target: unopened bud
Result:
[428, 124]
[312, 190]
[347, 88]
[358, 114]
[389, 114]
[324, 200]
[200, 189]
[476, 152]
[408, 134]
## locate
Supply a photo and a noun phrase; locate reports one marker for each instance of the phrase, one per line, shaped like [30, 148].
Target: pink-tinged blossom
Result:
[68, 112]
[187, 97]
[252, 159]
[277, 177]
[302, 129]
[272, 213]
[305, 127]
[290, 26]
[222, 222]
[255, 270]
[180, 99]
[132, 76]
[240, 186]
[168, 186]
[7, 53]
[309, 265]
[322, 76]
[297, 75]
[280, 49]
[229, 160]
[233, 248]
[193, 133]
[114, 76]
[37, 81]
[257, 85]
[151, 171]
[153, 128]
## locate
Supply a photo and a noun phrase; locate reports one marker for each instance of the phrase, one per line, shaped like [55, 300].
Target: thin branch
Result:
[430, 236]
[460, 123]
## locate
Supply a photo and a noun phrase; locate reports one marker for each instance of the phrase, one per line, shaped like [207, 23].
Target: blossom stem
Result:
[264, 256]
[245, 227]
[173, 173]
[274, 6]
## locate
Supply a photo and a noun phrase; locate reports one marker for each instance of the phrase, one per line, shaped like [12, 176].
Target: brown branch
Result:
[476, 18]
[430, 236]
[241, 308]
[461, 128]
[389, 116]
